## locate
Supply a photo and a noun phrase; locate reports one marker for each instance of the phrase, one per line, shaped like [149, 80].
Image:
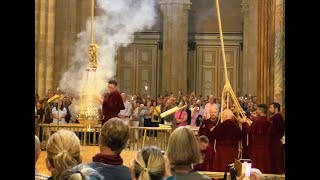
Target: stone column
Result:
[250, 43]
[36, 33]
[175, 45]
[50, 44]
[66, 17]
[266, 37]
[41, 49]
[279, 53]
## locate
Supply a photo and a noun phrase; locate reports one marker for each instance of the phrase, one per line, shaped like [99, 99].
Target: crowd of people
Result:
[223, 136]
[64, 158]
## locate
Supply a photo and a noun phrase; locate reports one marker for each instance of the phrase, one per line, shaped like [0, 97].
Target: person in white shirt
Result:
[59, 113]
[127, 111]
[208, 106]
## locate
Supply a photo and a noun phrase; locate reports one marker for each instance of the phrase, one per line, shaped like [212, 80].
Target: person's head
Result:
[112, 85]
[149, 164]
[38, 104]
[262, 109]
[274, 108]
[213, 112]
[37, 149]
[226, 114]
[113, 136]
[211, 99]
[63, 152]
[187, 151]
[203, 142]
[123, 96]
[81, 172]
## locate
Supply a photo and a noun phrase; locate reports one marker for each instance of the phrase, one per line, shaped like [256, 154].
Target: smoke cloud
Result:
[113, 28]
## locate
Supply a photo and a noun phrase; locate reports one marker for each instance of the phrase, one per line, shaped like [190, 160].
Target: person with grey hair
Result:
[37, 151]
[183, 155]
[80, 172]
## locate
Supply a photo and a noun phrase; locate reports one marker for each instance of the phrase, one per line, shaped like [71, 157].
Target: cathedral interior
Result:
[179, 48]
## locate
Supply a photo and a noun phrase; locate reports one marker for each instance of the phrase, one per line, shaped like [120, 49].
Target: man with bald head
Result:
[208, 106]
[227, 135]
[206, 128]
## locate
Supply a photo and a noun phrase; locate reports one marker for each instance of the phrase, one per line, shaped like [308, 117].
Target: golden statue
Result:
[93, 59]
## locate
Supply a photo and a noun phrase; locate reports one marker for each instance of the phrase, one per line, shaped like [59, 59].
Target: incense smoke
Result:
[113, 28]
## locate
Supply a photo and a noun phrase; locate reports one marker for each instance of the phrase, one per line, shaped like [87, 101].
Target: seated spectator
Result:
[149, 164]
[183, 155]
[37, 150]
[81, 172]
[112, 140]
[63, 152]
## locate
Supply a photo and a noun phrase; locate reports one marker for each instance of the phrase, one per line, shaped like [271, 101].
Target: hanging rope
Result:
[227, 91]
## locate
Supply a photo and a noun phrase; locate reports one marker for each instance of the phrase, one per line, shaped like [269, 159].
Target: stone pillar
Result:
[250, 43]
[36, 33]
[279, 53]
[50, 44]
[266, 37]
[175, 45]
[41, 49]
[66, 26]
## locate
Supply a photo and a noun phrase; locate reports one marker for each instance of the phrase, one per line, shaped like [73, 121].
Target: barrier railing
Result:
[87, 136]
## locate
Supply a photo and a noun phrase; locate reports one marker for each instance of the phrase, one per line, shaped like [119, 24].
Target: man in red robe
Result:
[206, 129]
[260, 131]
[277, 132]
[203, 145]
[228, 135]
[112, 102]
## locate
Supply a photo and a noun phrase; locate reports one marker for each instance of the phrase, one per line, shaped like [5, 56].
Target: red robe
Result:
[202, 166]
[260, 151]
[246, 137]
[276, 146]
[207, 164]
[112, 104]
[227, 134]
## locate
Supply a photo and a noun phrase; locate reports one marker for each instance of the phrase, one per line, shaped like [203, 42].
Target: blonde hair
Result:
[81, 172]
[114, 135]
[149, 164]
[185, 152]
[63, 151]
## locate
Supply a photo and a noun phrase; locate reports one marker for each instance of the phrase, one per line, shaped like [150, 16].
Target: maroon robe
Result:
[227, 134]
[204, 129]
[260, 151]
[202, 166]
[112, 104]
[246, 141]
[276, 146]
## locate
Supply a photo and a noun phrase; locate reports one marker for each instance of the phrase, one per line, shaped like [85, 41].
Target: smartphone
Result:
[246, 166]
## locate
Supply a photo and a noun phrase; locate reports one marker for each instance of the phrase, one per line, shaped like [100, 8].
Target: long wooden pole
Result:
[92, 15]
